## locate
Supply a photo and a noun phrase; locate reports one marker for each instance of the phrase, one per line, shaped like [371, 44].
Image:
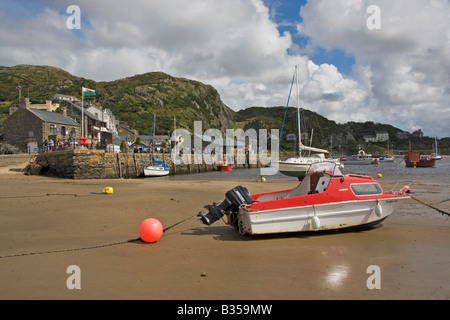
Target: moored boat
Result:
[299, 166]
[156, 169]
[413, 159]
[387, 159]
[325, 199]
[435, 155]
[361, 158]
[223, 166]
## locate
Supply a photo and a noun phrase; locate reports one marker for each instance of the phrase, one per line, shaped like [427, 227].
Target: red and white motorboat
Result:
[325, 199]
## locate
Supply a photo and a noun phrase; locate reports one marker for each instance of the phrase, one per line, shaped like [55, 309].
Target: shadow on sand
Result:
[228, 233]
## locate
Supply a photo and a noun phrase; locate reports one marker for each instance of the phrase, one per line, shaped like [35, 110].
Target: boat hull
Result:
[224, 168]
[413, 159]
[155, 171]
[298, 167]
[420, 164]
[359, 162]
[317, 217]
[297, 170]
[324, 200]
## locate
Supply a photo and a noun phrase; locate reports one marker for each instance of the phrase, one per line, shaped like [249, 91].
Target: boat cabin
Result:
[315, 181]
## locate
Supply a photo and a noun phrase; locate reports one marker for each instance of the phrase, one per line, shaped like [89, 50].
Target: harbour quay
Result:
[98, 164]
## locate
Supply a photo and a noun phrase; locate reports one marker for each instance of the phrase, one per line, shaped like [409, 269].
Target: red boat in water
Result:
[414, 159]
[224, 167]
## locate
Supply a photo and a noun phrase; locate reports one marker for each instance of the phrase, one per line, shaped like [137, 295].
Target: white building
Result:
[381, 136]
[105, 115]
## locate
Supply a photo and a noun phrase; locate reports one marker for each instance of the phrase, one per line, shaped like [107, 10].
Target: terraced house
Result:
[28, 128]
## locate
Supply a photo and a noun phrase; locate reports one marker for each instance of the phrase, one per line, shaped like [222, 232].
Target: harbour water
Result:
[390, 171]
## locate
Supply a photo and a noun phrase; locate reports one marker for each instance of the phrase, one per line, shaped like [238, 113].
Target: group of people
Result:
[50, 145]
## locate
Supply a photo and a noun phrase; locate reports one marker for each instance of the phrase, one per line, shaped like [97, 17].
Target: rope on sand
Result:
[88, 247]
[175, 224]
[54, 194]
[67, 250]
[430, 206]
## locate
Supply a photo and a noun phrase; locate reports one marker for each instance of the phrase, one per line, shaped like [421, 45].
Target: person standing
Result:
[51, 144]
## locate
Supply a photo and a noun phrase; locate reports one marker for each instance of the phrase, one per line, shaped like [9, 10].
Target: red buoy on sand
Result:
[150, 230]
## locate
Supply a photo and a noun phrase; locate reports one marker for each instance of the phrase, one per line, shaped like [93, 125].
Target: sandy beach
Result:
[49, 224]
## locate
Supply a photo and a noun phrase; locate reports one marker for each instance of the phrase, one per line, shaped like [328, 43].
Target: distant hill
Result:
[39, 82]
[133, 100]
[340, 138]
[136, 99]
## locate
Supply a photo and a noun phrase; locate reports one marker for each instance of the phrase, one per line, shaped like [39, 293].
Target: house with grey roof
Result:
[28, 128]
[96, 129]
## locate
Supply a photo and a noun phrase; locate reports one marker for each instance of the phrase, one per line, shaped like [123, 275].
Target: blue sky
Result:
[286, 14]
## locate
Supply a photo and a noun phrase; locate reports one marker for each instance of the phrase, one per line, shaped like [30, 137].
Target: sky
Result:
[358, 60]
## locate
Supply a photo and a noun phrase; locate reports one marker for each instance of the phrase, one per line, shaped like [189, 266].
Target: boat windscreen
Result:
[326, 166]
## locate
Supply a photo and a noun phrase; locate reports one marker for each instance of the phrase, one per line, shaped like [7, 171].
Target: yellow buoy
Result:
[379, 176]
[108, 190]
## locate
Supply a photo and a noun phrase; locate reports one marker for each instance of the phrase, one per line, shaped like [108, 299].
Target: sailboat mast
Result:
[436, 146]
[175, 139]
[310, 142]
[153, 138]
[298, 113]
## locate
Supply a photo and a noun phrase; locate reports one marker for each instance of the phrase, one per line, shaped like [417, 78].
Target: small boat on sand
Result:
[156, 169]
[325, 199]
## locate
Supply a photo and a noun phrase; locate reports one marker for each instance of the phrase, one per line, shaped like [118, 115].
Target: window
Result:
[366, 189]
[63, 131]
[52, 129]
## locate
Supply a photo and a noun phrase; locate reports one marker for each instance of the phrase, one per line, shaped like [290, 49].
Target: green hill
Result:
[312, 123]
[135, 100]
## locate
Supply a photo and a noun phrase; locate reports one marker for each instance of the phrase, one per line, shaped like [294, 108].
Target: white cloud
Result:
[219, 42]
[401, 71]
[403, 67]
[328, 92]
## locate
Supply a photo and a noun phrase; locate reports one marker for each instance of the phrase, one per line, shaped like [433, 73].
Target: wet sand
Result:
[193, 261]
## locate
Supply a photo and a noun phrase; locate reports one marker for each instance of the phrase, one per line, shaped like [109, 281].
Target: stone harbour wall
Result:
[89, 164]
[98, 164]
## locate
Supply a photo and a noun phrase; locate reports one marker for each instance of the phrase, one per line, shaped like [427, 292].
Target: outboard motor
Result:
[234, 199]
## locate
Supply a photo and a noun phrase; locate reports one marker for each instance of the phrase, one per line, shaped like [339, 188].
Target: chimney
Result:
[25, 103]
[64, 111]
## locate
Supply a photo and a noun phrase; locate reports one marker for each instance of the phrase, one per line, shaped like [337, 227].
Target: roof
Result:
[53, 117]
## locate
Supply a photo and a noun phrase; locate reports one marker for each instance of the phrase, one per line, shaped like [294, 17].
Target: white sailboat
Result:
[299, 166]
[157, 168]
[435, 155]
